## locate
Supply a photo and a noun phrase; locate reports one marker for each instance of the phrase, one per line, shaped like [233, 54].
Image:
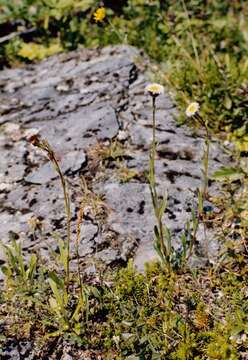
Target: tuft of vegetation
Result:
[157, 314]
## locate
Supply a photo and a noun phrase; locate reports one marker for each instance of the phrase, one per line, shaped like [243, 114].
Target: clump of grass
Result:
[65, 251]
[125, 174]
[105, 153]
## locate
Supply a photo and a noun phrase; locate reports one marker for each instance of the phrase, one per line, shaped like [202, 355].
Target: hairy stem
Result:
[152, 177]
[68, 217]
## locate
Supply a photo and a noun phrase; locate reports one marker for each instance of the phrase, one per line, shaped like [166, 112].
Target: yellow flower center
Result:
[155, 89]
[100, 14]
[192, 108]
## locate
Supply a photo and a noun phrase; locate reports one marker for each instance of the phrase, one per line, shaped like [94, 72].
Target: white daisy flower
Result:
[154, 89]
[192, 109]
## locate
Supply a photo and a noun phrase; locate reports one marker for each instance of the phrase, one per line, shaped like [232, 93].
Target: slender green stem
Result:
[153, 131]
[206, 177]
[44, 145]
[68, 219]
[79, 222]
[205, 156]
[205, 187]
[206, 161]
[152, 177]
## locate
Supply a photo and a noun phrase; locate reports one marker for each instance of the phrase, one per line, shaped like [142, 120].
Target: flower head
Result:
[99, 14]
[154, 89]
[192, 109]
[34, 139]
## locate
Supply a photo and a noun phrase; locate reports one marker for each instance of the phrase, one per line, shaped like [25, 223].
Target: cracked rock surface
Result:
[83, 103]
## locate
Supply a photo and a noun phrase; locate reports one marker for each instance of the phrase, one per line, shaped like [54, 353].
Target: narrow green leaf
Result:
[156, 232]
[163, 205]
[167, 234]
[53, 304]
[56, 292]
[59, 282]
[6, 271]
[228, 173]
[63, 253]
[32, 267]
[95, 292]
[200, 202]
[76, 313]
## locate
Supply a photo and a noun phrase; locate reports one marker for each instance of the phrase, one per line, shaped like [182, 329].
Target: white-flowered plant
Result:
[192, 109]
[154, 89]
[162, 243]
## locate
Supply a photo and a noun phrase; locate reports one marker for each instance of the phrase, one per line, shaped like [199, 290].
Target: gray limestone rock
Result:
[71, 162]
[79, 101]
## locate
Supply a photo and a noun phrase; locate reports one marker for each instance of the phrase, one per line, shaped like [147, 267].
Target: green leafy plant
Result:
[162, 234]
[64, 250]
[163, 240]
[71, 319]
[16, 270]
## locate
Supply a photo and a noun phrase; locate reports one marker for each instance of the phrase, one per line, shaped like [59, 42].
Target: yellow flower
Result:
[192, 109]
[154, 89]
[99, 14]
